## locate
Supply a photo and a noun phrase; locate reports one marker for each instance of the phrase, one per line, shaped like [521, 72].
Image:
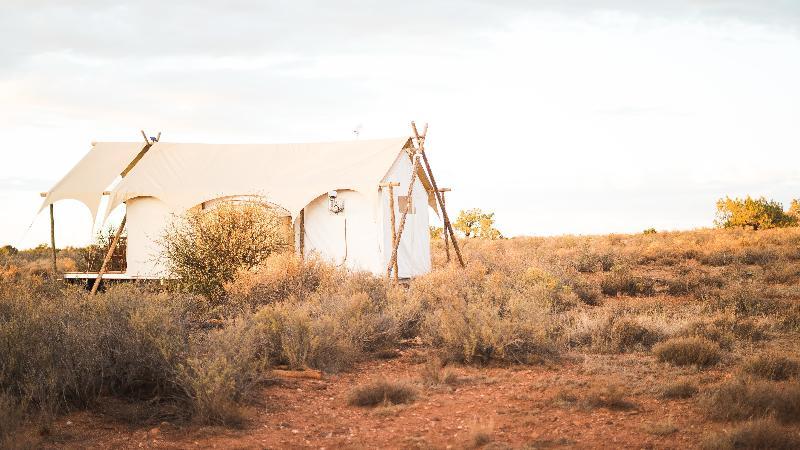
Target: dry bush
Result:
[12, 418]
[690, 351]
[679, 389]
[621, 281]
[740, 400]
[726, 329]
[772, 366]
[65, 352]
[475, 316]
[608, 396]
[205, 249]
[744, 299]
[382, 392]
[755, 435]
[328, 333]
[280, 277]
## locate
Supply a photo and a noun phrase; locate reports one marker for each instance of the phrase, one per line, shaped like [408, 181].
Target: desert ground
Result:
[656, 340]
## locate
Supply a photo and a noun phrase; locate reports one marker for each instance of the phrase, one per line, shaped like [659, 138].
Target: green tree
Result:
[436, 232]
[476, 223]
[752, 213]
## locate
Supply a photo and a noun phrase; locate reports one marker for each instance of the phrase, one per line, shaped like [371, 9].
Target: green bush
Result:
[205, 249]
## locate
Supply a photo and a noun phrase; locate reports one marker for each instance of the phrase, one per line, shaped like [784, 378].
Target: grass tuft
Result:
[772, 366]
[382, 392]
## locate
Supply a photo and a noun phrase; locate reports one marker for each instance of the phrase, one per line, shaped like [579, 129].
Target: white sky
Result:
[560, 116]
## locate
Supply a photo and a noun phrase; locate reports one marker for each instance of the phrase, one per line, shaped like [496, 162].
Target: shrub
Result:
[679, 389]
[328, 333]
[620, 281]
[205, 249]
[473, 317]
[688, 351]
[772, 366]
[756, 435]
[382, 392]
[478, 224]
[738, 400]
[279, 277]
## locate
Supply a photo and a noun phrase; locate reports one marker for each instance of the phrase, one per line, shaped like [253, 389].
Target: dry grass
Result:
[741, 400]
[755, 435]
[691, 351]
[771, 366]
[699, 295]
[382, 392]
[679, 390]
[608, 396]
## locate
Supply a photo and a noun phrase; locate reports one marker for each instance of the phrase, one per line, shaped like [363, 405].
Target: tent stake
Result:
[403, 217]
[53, 240]
[448, 226]
[109, 253]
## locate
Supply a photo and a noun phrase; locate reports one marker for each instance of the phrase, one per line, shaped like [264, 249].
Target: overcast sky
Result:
[560, 116]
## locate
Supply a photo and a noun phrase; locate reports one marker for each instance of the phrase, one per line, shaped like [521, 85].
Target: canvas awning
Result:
[93, 174]
[289, 175]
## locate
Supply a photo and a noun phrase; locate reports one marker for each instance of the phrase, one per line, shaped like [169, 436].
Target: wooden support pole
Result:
[53, 240]
[109, 253]
[302, 238]
[403, 217]
[146, 139]
[444, 232]
[391, 186]
[448, 226]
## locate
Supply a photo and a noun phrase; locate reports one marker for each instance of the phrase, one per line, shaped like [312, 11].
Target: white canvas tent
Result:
[162, 180]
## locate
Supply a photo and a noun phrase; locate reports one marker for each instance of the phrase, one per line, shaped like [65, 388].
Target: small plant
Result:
[609, 396]
[679, 389]
[433, 373]
[758, 434]
[690, 351]
[382, 392]
[772, 367]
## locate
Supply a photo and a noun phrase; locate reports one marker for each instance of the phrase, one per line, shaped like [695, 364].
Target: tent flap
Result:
[93, 174]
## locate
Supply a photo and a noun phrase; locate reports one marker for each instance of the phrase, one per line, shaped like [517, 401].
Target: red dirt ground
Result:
[516, 407]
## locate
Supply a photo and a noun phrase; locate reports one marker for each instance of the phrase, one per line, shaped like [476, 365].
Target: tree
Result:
[436, 232]
[205, 248]
[476, 223]
[752, 213]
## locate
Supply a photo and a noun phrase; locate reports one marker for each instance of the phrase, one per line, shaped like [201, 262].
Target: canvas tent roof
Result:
[288, 175]
[93, 174]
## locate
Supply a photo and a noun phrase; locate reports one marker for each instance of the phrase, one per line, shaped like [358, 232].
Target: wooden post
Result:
[403, 217]
[448, 226]
[444, 232]
[53, 241]
[108, 255]
[302, 238]
[391, 186]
